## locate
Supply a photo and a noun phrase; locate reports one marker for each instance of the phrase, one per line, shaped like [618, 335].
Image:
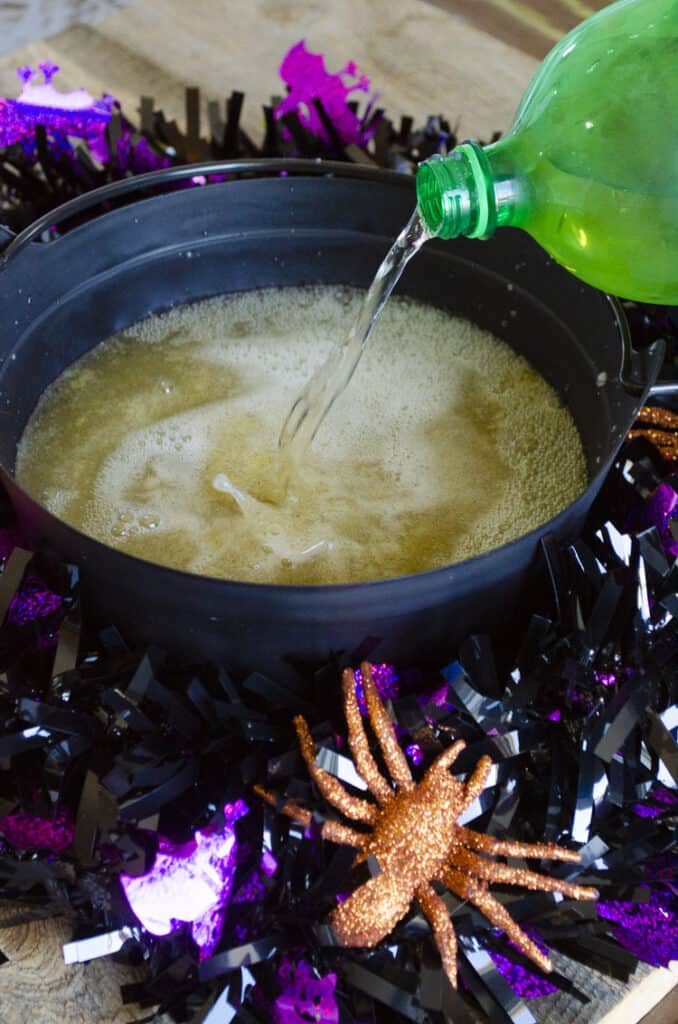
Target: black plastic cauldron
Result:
[300, 222]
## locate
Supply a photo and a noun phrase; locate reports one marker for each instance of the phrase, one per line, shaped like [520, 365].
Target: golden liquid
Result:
[159, 442]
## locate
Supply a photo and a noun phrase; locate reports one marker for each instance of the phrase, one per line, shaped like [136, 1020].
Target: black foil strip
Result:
[662, 743]
[12, 575]
[652, 552]
[488, 713]
[505, 808]
[149, 803]
[57, 719]
[278, 695]
[18, 742]
[233, 959]
[68, 644]
[633, 699]
[383, 991]
[599, 622]
[493, 994]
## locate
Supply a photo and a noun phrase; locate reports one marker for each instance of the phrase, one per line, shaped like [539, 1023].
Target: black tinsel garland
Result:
[131, 748]
[117, 752]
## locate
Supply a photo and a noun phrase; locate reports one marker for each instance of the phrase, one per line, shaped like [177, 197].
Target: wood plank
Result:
[657, 990]
[530, 26]
[420, 60]
[21, 22]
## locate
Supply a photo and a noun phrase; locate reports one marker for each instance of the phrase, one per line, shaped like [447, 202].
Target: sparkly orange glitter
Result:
[416, 841]
[660, 426]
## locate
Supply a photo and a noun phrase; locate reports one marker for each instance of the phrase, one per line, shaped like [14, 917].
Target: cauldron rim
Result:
[322, 169]
[310, 610]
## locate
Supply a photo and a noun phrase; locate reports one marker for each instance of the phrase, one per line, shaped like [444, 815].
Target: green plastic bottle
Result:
[590, 166]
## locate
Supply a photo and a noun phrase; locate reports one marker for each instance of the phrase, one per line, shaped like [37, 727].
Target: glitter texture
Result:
[648, 930]
[660, 426]
[306, 77]
[658, 510]
[33, 601]
[29, 832]
[305, 997]
[386, 680]
[415, 839]
[189, 883]
[524, 982]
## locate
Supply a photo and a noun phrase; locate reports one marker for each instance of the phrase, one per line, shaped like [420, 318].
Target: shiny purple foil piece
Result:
[307, 78]
[648, 930]
[658, 510]
[415, 754]
[304, 996]
[526, 983]
[33, 601]
[658, 802]
[190, 882]
[29, 832]
[386, 680]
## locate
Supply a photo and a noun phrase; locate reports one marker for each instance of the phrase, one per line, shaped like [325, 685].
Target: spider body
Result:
[416, 840]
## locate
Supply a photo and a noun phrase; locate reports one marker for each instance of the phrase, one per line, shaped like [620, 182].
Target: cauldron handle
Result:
[630, 380]
[154, 179]
[664, 389]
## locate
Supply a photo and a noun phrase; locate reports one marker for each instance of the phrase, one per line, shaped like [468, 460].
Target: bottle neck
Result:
[463, 193]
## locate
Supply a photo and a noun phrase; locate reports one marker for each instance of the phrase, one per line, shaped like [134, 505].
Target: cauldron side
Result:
[326, 224]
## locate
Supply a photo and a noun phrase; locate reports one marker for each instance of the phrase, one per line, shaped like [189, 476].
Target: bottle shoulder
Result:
[603, 103]
[610, 85]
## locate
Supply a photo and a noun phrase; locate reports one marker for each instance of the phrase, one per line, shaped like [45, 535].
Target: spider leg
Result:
[477, 893]
[491, 871]
[443, 930]
[331, 788]
[445, 760]
[396, 762]
[333, 831]
[476, 784]
[509, 848]
[372, 911]
[357, 741]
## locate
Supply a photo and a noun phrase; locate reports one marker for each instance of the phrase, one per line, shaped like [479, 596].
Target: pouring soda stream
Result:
[333, 377]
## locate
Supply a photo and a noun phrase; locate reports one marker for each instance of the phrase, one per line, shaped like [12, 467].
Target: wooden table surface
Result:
[468, 59]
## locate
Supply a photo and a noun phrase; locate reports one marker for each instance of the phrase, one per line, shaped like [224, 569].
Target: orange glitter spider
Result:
[660, 426]
[416, 840]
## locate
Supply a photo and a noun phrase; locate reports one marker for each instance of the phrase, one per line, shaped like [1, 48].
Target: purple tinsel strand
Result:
[33, 601]
[658, 511]
[659, 800]
[29, 832]
[648, 930]
[386, 680]
[525, 983]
